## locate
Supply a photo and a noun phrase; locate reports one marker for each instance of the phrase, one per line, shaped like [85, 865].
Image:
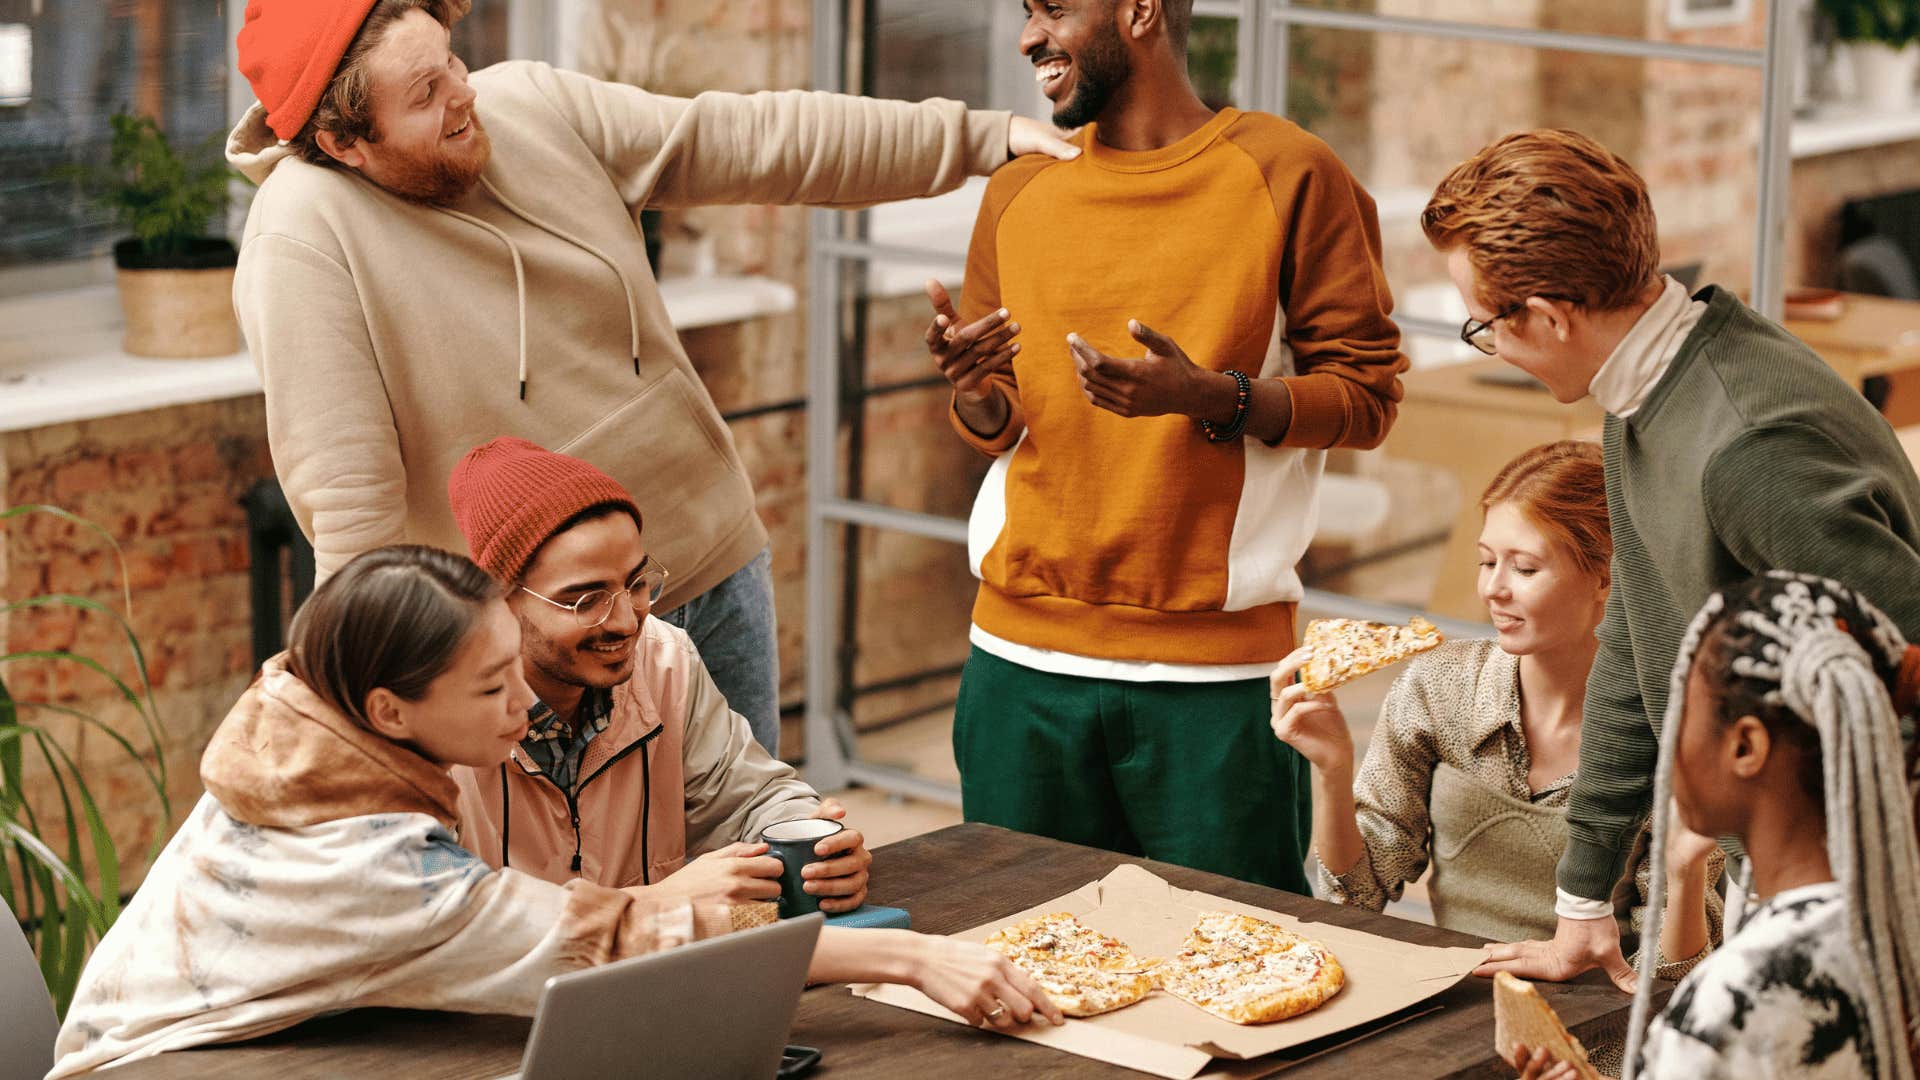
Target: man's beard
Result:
[443, 176]
[1103, 67]
[571, 665]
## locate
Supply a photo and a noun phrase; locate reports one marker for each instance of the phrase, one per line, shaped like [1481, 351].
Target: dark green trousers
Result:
[1186, 773]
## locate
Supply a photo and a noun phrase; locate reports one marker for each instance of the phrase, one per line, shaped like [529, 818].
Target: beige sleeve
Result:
[335, 446]
[734, 787]
[787, 147]
[1390, 797]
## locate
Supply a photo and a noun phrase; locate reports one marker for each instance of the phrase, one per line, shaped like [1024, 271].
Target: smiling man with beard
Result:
[434, 259]
[632, 758]
[1202, 314]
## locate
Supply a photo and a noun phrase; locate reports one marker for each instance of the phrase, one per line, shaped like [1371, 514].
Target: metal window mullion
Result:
[1526, 37]
[1776, 164]
[826, 758]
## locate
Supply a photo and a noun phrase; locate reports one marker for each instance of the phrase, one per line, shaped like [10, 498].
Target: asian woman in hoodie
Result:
[328, 805]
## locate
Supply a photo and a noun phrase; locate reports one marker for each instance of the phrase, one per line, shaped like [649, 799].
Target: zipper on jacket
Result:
[646, 799]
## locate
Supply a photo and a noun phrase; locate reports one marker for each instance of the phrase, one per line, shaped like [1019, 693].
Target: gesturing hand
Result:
[966, 355]
[1161, 382]
[1578, 945]
[1310, 723]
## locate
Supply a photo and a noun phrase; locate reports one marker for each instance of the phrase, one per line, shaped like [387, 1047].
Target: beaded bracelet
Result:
[1242, 398]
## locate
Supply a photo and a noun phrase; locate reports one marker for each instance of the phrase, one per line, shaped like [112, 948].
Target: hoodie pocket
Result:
[668, 447]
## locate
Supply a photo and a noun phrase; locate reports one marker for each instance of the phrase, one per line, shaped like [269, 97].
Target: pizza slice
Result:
[1342, 650]
[1250, 971]
[1521, 1017]
[1060, 937]
[1083, 991]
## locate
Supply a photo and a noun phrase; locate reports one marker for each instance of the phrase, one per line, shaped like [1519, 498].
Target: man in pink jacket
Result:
[632, 760]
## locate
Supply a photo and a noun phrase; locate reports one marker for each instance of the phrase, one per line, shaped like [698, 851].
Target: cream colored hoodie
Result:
[394, 336]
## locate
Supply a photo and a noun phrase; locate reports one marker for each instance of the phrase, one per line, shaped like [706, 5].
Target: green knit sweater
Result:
[1749, 455]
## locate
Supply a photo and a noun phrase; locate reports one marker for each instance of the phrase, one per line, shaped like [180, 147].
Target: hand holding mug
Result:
[735, 874]
[839, 879]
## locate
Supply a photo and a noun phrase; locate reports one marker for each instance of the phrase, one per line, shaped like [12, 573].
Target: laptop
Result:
[719, 1008]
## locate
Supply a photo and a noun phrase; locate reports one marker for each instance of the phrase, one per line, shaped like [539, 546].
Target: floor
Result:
[923, 745]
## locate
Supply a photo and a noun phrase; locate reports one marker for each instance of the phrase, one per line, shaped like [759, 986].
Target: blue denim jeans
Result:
[732, 625]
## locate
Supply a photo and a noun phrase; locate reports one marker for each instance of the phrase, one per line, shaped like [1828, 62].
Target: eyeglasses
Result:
[1480, 334]
[596, 607]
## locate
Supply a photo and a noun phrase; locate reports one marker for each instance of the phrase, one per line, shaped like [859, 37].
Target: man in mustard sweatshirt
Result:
[1200, 313]
[433, 260]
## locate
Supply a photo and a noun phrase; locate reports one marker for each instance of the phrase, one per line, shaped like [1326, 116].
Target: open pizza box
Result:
[1167, 1037]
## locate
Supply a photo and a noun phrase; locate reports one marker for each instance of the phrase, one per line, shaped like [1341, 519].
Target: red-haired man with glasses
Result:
[1731, 450]
[632, 760]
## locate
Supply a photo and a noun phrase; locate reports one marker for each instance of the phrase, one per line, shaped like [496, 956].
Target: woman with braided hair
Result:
[1781, 730]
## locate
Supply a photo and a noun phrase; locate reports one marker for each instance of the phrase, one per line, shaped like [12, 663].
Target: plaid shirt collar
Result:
[558, 748]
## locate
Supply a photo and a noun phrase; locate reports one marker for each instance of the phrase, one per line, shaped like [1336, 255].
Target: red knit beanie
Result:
[509, 496]
[289, 50]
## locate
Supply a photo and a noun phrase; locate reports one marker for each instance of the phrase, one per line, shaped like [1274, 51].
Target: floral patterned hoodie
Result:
[321, 872]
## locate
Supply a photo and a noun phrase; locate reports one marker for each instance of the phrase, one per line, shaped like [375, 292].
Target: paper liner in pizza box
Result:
[1165, 1036]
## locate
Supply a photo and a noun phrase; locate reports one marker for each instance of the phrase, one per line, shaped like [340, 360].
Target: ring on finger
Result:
[999, 1009]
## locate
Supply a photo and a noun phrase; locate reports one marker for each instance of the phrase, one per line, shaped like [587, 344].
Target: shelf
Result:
[61, 361]
[1834, 129]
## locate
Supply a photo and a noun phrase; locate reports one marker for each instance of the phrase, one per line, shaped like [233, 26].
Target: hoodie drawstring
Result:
[506, 821]
[519, 284]
[626, 285]
[520, 273]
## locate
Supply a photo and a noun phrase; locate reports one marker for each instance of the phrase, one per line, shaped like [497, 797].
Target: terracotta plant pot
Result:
[178, 308]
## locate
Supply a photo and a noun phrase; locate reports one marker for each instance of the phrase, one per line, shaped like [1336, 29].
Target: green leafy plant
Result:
[63, 908]
[1889, 22]
[163, 196]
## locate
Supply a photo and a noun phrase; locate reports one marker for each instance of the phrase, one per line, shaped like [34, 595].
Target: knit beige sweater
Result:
[394, 336]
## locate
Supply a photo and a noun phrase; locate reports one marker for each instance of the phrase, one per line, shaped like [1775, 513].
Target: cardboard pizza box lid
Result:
[1167, 1037]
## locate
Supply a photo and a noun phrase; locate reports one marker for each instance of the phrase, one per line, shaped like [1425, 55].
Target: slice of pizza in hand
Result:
[1342, 650]
[1521, 1017]
[1060, 937]
[1250, 971]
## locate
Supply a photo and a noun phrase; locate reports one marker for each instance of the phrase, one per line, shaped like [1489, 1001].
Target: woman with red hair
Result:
[1474, 757]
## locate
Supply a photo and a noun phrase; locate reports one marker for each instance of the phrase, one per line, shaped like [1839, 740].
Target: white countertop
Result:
[61, 361]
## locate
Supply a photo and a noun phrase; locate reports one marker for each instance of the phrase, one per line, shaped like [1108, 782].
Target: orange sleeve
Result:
[980, 295]
[1334, 295]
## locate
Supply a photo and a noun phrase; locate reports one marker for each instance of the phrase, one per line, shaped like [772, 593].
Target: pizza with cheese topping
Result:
[1080, 990]
[1060, 937]
[1250, 971]
[1342, 650]
[1084, 971]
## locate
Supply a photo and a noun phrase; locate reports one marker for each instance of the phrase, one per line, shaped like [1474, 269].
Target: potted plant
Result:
[1882, 40]
[47, 843]
[176, 280]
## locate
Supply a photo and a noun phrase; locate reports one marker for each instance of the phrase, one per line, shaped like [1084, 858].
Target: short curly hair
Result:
[1548, 213]
[345, 109]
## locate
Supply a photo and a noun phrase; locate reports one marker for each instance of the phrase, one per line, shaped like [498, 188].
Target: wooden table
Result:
[1874, 335]
[950, 880]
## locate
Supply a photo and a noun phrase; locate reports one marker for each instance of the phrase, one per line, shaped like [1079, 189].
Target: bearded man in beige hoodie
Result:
[414, 281]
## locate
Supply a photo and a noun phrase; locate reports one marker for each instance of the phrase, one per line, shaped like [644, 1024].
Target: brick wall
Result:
[165, 484]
